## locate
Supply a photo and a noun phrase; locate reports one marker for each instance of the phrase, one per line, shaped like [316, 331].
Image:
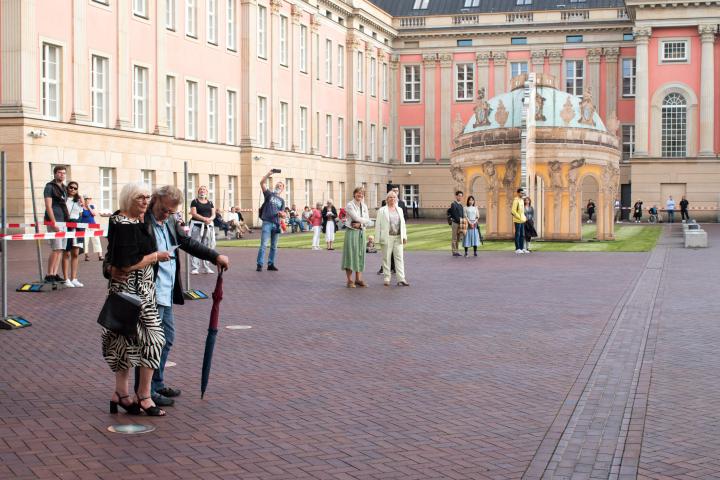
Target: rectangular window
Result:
[328, 61]
[342, 193]
[329, 191]
[373, 77]
[140, 8]
[140, 98]
[191, 107]
[373, 143]
[628, 72]
[328, 135]
[341, 138]
[574, 77]
[231, 116]
[674, 51]
[420, 4]
[262, 32]
[464, 75]
[518, 41]
[315, 39]
[192, 185]
[51, 81]
[303, 129]
[170, 103]
[341, 66]
[573, 38]
[170, 14]
[289, 191]
[384, 144]
[384, 81]
[283, 40]
[411, 193]
[99, 90]
[212, 21]
[472, 3]
[212, 115]
[147, 177]
[411, 145]
[628, 141]
[106, 189]
[303, 48]
[231, 26]
[412, 83]
[628, 37]
[359, 145]
[212, 188]
[308, 193]
[231, 189]
[262, 121]
[283, 125]
[518, 68]
[464, 42]
[191, 18]
[360, 76]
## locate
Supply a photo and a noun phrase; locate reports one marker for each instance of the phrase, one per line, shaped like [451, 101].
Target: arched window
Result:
[674, 126]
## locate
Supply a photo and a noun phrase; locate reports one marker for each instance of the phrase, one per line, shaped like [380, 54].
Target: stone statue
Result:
[482, 110]
[613, 124]
[556, 182]
[572, 182]
[457, 129]
[587, 109]
[458, 176]
[610, 177]
[539, 104]
[491, 180]
[510, 173]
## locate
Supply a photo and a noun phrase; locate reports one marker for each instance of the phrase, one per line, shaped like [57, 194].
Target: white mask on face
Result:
[203, 196]
[276, 191]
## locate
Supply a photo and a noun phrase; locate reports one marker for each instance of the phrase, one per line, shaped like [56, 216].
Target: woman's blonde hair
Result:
[358, 189]
[129, 192]
[391, 193]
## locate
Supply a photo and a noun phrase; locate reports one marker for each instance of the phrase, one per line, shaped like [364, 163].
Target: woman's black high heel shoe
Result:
[132, 408]
[153, 411]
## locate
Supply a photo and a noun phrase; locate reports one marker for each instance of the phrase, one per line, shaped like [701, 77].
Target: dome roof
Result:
[554, 108]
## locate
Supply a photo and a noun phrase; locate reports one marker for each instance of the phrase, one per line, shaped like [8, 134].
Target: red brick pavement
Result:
[459, 376]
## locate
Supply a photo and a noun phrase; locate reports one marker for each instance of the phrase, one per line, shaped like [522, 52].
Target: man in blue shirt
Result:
[272, 210]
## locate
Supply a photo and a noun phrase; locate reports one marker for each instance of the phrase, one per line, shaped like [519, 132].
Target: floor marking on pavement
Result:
[238, 327]
[170, 364]
[131, 429]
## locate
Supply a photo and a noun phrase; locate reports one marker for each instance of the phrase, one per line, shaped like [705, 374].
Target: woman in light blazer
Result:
[391, 234]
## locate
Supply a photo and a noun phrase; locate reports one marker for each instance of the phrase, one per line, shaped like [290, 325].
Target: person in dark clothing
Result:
[221, 224]
[455, 215]
[415, 209]
[56, 210]
[272, 212]
[684, 209]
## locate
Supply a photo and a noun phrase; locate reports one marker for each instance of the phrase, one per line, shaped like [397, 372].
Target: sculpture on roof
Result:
[482, 110]
[587, 109]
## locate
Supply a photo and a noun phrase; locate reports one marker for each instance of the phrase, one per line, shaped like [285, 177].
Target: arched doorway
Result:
[590, 190]
[478, 189]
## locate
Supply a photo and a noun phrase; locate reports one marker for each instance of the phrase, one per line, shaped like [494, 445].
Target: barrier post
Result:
[37, 225]
[187, 223]
[3, 218]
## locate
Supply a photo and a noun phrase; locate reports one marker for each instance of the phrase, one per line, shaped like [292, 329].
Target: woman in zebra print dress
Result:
[131, 251]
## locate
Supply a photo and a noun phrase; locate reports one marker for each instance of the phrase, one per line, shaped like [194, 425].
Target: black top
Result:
[203, 209]
[128, 243]
[683, 204]
[326, 217]
[58, 194]
[456, 212]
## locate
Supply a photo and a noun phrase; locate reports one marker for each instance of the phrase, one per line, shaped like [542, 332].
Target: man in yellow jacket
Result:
[518, 217]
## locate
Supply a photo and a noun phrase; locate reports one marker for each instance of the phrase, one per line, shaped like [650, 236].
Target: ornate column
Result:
[483, 69]
[707, 93]
[642, 37]
[124, 99]
[500, 61]
[81, 72]
[446, 97]
[353, 45]
[537, 58]
[429, 63]
[394, 99]
[555, 59]
[274, 66]
[593, 57]
[248, 55]
[313, 125]
[294, 113]
[611, 84]
[161, 123]
[19, 63]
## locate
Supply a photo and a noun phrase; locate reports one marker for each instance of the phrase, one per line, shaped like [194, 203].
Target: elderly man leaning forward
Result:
[167, 233]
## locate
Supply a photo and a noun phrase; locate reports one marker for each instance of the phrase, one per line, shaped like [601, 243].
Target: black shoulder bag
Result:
[121, 312]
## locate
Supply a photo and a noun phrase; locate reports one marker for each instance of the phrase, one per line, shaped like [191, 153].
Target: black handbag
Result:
[121, 312]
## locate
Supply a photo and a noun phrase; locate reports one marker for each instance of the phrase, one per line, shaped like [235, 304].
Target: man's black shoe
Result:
[380, 272]
[456, 255]
[259, 268]
[168, 392]
[272, 268]
[49, 278]
[59, 279]
[162, 401]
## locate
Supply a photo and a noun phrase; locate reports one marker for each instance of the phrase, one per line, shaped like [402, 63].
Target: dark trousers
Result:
[519, 236]
[416, 212]
[684, 214]
[671, 216]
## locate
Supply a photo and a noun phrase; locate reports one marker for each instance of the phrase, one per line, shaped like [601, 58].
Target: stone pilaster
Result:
[429, 64]
[353, 44]
[314, 127]
[483, 70]
[81, 72]
[294, 66]
[124, 68]
[555, 58]
[446, 97]
[19, 60]
[248, 56]
[593, 57]
[366, 93]
[274, 59]
[394, 99]
[537, 59]
[707, 92]
[500, 84]
[611, 85]
[161, 121]
[642, 38]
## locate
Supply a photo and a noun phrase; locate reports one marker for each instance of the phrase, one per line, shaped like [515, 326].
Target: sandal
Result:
[153, 411]
[350, 284]
[361, 283]
[132, 408]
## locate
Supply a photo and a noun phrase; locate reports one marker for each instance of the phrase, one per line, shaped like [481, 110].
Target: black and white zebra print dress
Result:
[128, 243]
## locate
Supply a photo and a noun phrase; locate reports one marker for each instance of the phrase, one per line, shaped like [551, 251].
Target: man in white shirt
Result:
[670, 207]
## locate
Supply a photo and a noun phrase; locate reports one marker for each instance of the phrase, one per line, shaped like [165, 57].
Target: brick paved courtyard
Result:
[554, 365]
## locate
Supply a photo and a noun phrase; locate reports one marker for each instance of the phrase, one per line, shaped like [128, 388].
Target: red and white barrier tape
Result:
[54, 235]
[56, 224]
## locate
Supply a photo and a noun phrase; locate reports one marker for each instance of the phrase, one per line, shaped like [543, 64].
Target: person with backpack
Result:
[272, 212]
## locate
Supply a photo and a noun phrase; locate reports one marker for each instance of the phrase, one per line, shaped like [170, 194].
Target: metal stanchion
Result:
[189, 293]
[37, 225]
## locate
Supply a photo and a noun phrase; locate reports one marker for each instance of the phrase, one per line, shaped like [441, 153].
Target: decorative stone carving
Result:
[610, 179]
[568, 112]
[314, 23]
[381, 55]
[429, 60]
[510, 173]
[482, 110]
[572, 183]
[556, 183]
[501, 114]
[707, 33]
[594, 54]
[499, 58]
[458, 127]
[296, 13]
[446, 60]
[491, 180]
[458, 176]
[537, 57]
[539, 104]
[587, 109]
[275, 6]
[613, 124]
[483, 58]
[554, 56]
[611, 54]
[642, 33]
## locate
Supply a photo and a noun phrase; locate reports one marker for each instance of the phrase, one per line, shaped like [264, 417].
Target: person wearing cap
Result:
[518, 216]
[88, 216]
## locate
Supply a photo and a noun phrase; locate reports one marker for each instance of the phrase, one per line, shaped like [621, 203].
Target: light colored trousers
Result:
[205, 234]
[93, 243]
[316, 236]
[393, 247]
[457, 237]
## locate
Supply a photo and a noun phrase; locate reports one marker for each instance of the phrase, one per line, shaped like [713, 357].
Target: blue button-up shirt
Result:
[166, 272]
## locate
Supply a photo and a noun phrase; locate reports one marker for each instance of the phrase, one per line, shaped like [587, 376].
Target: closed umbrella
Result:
[212, 333]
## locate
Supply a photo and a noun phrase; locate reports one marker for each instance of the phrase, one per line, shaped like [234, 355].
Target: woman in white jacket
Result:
[391, 234]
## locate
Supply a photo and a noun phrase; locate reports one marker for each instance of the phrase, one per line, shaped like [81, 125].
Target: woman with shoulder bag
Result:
[131, 255]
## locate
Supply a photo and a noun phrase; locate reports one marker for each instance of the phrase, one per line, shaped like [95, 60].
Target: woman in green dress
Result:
[353, 259]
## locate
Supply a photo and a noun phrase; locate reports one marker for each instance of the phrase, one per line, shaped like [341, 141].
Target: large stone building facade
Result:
[339, 93]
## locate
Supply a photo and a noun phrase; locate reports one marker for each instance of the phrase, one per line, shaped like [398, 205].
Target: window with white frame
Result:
[315, 39]
[140, 8]
[283, 125]
[283, 40]
[384, 144]
[674, 126]
[303, 48]
[170, 103]
[574, 76]
[262, 32]
[328, 135]
[170, 14]
[212, 188]
[308, 193]
[192, 185]
[106, 189]
[373, 143]
[341, 138]
[343, 192]
[373, 77]
[212, 23]
[99, 90]
[191, 18]
[412, 83]
[231, 29]
[374, 195]
[628, 73]
[360, 75]
[359, 143]
[465, 79]
[329, 191]
[628, 141]
[518, 68]
[385, 81]
[411, 145]
[303, 129]
[341, 66]
[51, 81]
[411, 193]
[328, 61]
[674, 51]
[262, 122]
[140, 98]
[148, 178]
[289, 191]
[191, 109]
[231, 112]
[212, 114]
[231, 189]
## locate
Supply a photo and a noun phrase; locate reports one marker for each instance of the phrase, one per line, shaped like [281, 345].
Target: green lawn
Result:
[436, 237]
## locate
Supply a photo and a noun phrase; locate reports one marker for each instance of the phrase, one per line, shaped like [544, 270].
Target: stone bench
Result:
[695, 238]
